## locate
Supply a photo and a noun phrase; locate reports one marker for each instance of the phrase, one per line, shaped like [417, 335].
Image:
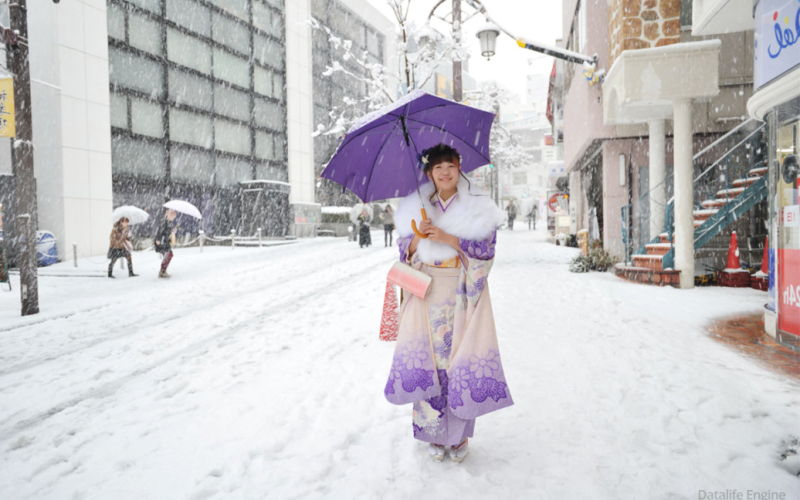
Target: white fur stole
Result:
[472, 216]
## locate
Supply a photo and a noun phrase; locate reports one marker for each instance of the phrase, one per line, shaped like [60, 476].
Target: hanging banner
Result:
[8, 127]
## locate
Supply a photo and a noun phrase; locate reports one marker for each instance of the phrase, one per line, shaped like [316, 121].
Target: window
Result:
[264, 147]
[231, 171]
[135, 72]
[231, 33]
[146, 118]
[190, 90]
[238, 8]
[268, 52]
[267, 20]
[190, 15]
[135, 156]
[191, 165]
[231, 102]
[119, 111]
[116, 22]
[144, 34]
[188, 51]
[231, 68]
[269, 114]
[520, 179]
[262, 81]
[581, 27]
[190, 128]
[151, 5]
[231, 137]
[277, 86]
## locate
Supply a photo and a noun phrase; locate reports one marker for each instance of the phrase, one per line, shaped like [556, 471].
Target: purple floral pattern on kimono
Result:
[408, 368]
[481, 250]
[477, 378]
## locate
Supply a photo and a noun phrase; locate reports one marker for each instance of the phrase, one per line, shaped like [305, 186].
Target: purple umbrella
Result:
[378, 157]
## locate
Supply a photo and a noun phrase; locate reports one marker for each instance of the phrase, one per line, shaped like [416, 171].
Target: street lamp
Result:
[488, 34]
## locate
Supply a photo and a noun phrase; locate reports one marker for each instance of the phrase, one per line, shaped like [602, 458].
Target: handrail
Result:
[729, 152]
[728, 134]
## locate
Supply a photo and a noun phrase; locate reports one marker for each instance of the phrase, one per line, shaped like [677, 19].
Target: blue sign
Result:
[777, 39]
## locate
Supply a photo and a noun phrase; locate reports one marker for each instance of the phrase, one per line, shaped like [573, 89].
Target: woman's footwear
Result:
[436, 451]
[460, 452]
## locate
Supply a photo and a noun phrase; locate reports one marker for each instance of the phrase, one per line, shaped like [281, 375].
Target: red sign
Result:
[553, 202]
[789, 291]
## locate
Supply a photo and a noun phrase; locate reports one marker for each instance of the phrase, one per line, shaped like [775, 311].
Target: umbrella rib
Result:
[455, 136]
[371, 170]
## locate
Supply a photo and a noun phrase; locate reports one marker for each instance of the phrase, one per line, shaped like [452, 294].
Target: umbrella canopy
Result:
[184, 207]
[133, 214]
[376, 160]
[356, 211]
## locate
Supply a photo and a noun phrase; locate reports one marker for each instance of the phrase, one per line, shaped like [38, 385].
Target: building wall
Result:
[299, 85]
[641, 24]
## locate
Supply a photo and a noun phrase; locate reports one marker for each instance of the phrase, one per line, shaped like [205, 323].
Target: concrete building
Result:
[140, 101]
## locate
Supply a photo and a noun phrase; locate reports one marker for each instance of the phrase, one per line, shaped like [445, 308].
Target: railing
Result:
[716, 168]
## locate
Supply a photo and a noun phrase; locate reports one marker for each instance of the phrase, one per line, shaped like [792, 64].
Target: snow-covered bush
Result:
[596, 259]
[579, 264]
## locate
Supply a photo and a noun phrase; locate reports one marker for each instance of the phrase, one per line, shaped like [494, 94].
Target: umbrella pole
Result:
[409, 141]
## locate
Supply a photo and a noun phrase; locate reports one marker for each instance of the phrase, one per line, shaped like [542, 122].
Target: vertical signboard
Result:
[7, 124]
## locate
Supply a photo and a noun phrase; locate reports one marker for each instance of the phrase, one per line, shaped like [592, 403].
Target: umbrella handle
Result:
[414, 226]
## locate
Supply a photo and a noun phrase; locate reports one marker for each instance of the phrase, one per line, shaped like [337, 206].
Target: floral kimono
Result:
[447, 360]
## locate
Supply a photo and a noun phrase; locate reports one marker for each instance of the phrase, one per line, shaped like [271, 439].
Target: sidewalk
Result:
[746, 334]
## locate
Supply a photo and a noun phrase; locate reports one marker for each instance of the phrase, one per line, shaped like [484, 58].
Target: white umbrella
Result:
[356, 211]
[133, 214]
[184, 207]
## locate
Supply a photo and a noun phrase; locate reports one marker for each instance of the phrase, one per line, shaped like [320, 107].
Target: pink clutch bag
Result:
[409, 279]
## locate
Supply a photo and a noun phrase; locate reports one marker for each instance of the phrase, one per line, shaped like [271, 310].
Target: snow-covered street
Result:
[258, 373]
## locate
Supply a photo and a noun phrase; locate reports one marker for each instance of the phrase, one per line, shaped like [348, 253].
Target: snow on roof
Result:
[260, 181]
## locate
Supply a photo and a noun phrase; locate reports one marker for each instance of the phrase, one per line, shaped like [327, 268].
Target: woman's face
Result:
[445, 175]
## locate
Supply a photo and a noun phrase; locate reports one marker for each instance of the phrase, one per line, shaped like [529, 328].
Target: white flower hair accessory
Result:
[424, 159]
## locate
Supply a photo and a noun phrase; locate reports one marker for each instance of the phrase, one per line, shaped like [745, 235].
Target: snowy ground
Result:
[257, 373]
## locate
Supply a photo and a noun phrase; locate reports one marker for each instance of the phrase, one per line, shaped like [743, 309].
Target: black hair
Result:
[440, 153]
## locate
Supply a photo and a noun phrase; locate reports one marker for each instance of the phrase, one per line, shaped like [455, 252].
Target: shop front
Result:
[777, 101]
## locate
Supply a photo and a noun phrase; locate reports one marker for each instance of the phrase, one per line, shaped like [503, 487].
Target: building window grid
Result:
[168, 103]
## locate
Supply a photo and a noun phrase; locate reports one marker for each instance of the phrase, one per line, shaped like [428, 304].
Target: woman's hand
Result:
[440, 236]
[425, 225]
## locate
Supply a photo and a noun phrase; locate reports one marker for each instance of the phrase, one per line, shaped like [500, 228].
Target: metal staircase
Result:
[730, 179]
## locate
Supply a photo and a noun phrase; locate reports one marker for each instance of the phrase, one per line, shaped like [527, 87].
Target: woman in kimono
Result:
[447, 361]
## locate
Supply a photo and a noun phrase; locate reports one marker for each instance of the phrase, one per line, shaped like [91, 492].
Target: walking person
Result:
[119, 247]
[532, 216]
[162, 240]
[388, 225]
[364, 236]
[512, 214]
[447, 360]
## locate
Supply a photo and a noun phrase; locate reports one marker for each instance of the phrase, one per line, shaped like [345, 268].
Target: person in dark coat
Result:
[532, 216]
[512, 214]
[364, 236]
[119, 247]
[162, 240]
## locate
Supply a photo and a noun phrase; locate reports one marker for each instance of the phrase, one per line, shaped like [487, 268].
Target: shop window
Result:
[146, 118]
[190, 90]
[188, 51]
[138, 157]
[144, 34]
[231, 102]
[231, 68]
[231, 137]
[264, 146]
[190, 128]
[135, 72]
[190, 15]
[119, 111]
[191, 165]
[231, 33]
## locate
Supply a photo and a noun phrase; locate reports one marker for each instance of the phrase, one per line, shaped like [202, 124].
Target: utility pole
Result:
[457, 77]
[22, 159]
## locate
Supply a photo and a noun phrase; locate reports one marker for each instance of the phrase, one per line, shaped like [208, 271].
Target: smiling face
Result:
[445, 175]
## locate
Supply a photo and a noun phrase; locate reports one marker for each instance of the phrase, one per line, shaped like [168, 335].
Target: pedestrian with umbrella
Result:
[163, 243]
[119, 243]
[447, 361]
